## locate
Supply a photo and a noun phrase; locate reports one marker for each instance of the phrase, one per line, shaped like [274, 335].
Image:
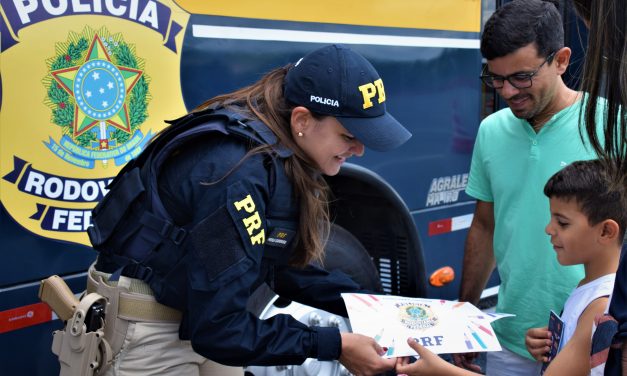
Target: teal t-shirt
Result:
[510, 166]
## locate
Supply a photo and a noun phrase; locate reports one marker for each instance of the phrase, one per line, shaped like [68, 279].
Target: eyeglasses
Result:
[518, 80]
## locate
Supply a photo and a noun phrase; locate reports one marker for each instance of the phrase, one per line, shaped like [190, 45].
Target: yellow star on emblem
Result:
[100, 90]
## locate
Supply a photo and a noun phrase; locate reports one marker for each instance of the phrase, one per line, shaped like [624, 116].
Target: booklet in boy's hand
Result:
[556, 327]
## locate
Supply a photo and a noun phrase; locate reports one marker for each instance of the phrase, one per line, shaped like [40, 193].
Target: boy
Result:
[587, 226]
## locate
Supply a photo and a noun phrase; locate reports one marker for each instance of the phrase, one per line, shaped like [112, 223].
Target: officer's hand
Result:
[538, 342]
[466, 360]
[361, 355]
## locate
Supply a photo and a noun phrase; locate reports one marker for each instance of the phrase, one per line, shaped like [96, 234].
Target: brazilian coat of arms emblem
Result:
[97, 91]
[416, 316]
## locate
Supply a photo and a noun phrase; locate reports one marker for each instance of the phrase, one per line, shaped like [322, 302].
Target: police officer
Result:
[227, 198]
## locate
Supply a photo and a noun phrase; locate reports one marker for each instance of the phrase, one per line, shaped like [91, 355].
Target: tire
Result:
[344, 252]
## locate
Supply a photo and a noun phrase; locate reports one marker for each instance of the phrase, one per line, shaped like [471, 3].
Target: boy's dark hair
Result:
[521, 22]
[589, 184]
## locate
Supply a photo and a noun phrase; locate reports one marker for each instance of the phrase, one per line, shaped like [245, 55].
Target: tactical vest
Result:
[132, 229]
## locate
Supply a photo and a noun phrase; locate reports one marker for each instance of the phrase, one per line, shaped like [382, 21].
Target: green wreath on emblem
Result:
[73, 53]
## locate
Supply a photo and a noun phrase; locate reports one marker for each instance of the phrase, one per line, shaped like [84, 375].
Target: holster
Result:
[115, 326]
[80, 352]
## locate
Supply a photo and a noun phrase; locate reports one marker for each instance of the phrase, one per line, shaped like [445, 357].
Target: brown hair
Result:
[605, 75]
[264, 100]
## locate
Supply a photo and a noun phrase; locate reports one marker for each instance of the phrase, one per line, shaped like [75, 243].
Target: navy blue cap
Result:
[336, 81]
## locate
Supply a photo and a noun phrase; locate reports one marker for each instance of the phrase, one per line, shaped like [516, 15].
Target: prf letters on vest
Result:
[252, 222]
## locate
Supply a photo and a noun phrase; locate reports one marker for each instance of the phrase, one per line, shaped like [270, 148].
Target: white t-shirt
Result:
[580, 298]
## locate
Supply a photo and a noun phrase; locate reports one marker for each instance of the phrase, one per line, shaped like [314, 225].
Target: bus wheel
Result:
[345, 252]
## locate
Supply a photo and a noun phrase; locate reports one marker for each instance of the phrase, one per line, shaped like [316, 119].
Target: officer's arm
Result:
[222, 330]
[315, 287]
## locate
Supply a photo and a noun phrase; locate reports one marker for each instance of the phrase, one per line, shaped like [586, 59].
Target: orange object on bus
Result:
[442, 276]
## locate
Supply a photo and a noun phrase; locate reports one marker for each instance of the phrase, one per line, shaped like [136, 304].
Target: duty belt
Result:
[138, 303]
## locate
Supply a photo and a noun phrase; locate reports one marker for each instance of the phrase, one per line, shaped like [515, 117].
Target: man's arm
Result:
[478, 265]
[479, 259]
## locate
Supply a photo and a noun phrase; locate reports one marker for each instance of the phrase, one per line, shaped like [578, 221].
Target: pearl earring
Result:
[300, 134]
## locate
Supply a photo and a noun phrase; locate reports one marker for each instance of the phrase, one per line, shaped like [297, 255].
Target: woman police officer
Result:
[227, 198]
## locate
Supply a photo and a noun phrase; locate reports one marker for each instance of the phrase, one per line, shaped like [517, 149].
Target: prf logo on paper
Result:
[85, 86]
[416, 316]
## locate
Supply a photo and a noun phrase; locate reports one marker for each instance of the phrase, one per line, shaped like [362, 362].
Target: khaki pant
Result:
[144, 335]
[155, 349]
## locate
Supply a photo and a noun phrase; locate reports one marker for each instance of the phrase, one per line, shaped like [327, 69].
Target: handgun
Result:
[56, 293]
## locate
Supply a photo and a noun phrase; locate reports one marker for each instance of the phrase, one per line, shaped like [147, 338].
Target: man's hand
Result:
[465, 360]
[538, 342]
[361, 355]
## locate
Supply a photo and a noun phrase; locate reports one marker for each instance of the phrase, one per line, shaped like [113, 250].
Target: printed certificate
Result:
[443, 326]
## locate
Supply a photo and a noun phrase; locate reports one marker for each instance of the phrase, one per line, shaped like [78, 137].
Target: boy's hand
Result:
[429, 363]
[538, 342]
